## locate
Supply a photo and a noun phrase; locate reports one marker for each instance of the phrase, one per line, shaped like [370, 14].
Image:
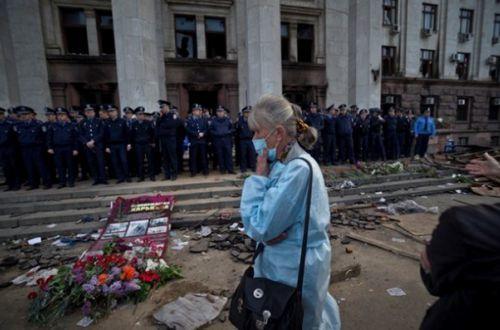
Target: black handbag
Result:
[262, 304]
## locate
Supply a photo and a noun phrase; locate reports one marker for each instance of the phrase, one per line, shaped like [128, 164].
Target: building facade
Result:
[442, 54]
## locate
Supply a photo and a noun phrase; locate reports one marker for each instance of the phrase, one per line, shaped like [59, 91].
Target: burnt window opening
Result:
[105, 30]
[494, 110]
[390, 101]
[390, 12]
[466, 16]
[429, 102]
[427, 67]
[74, 30]
[463, 104]
[429, 15]
[495, 141]
[185, 36]
[496, 27]
[285, 42]
[494, 62]
[305, 43]
[462, 68]
[388, 61]
[463, 140]
[215, 35]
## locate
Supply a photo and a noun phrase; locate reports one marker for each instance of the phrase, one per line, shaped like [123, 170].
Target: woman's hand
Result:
[262, 164]
[489, 167]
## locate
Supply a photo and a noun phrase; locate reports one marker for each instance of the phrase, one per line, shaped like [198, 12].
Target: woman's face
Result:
[275, 138]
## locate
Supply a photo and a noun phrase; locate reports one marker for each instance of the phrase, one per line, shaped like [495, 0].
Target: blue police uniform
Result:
[143, 136]
[116, 138]
[424, 129]
[62, 137]
[93, 130]
[316, 120]
[344, 134]
[247, 149]
[364, 136]
[377, 148]
[391, 137]
[330, 140]
[221, 131]
[198, 145]
[8, 155]
[31, 137]
[167, 128]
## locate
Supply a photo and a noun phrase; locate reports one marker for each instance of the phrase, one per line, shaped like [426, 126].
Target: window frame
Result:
[434, 107]
[393, 50]
[494, 110]
[207, 33]
[390, 7]
[100, 28]
[429, 9]
[431, 73]
[188, 32]
[65, 26]
[466, 64]
[463, 118]
[312, 50]
[287, 38]
[467, 16]
[496, 26]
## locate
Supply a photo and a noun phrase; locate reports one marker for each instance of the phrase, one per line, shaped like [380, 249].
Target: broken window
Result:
[74, 28]
[494, 62]
[215, 35]
[496, 27]
[305, 42]
[466, 20]
[427, 63]
[462, 68]
[494, 108]
[105, 29]
[285, 42]
[429, 102]
[429, 17]
[495, 141]
[185, 36]
[388, 61]
[390, 12]
[462, 109]
[463, 141]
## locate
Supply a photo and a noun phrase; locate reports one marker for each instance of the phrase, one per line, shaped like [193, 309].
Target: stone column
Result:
[140, 70]
[337, 51]
[293, 42]
[365, 42]
[263, 49]
[24, 73]
[92, 37]
[241, 34]
[201, 43]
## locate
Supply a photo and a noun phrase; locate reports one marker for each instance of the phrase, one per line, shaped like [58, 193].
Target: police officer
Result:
[390, 134]
[181, 135]
[143, 139]
[7, 153]
[315, 120]
[425, 128]
[197, 130]
[117, 143]
[166, 130]
[62, 142]
[377, 148]
[330, 136]
[221, 131]
[31, 136]
[344, 135]
[403, 125]
[91, 135]
[364, 134]
[50, 115]
[245, 136]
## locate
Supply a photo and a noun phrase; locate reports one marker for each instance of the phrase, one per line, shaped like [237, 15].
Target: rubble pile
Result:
[356, 219]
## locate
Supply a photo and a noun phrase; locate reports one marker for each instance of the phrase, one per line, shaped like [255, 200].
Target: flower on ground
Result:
[103, 278]
[32, 295]
[89, 288]
[149, 276]
[86, 308]
[128, 273]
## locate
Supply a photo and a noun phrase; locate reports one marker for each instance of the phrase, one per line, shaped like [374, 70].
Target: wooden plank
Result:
[383, 246]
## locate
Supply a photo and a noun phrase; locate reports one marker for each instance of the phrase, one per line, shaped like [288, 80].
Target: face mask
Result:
[260, 145]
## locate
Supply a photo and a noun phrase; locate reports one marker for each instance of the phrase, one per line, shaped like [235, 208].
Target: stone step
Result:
[86, 190]
[359, 181]
[20, 209]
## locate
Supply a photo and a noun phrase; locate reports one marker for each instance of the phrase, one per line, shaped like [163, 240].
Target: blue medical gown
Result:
[276, 204]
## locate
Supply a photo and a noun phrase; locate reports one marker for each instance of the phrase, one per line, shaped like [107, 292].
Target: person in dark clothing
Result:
[117, 142]
[181, 135]
[344, 135]
[51, 119]
[167, 127]
[461, 266]
[390, 134]
[409, 140]
[197, 130]
[221, 131]
[377, 149]
[30, 134]
[143, 140]
[245, 136]
[7, 153]
[402, 129]
[362, 134]
[91, 134]
[316, 120]
[330, 137]
[424, 129]
[62, 142]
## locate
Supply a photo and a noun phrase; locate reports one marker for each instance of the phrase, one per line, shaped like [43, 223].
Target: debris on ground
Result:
[396, 292]
[190, 311]
[356, 219]
[407, 206]
[486, 190]
[384, 168]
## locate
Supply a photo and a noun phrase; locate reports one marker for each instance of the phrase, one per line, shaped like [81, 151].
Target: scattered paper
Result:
[205, 231]
[382, 200]
[396, 292]
[378, 193]
[398, 240]
[52, 225]
[458, 191]
[35, 241]
[85, 322]
[178, 245]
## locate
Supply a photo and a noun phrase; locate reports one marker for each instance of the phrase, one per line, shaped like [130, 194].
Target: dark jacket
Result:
[221, 127]
[91, 129]
[167, 125]
[116, 132]
[62, 135]
[195, 126]
[344, 125]
[244, 132]
[142, 132]
[30, 133]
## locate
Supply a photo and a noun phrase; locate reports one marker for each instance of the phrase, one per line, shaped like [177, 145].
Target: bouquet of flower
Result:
[97, 283]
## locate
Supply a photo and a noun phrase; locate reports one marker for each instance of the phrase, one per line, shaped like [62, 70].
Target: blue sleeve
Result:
[433, 128]
[416, 128]
[269, 211]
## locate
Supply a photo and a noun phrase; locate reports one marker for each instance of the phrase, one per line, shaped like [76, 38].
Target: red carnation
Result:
[32, 295]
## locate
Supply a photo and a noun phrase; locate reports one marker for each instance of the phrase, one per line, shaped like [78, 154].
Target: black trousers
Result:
[198, 158]
[330, 149]
[422, 144]
[34, 162]
[168, 146]
[144, 151]
[95, 162]
[65, 165]
[247, 155]
[224, 149]
[119, 160]
[8, 164]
